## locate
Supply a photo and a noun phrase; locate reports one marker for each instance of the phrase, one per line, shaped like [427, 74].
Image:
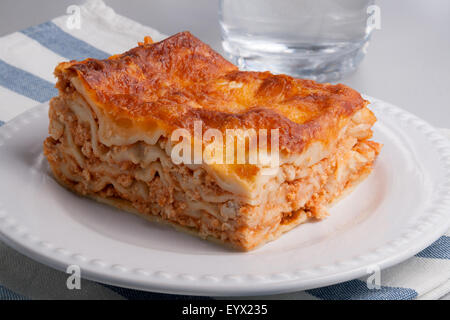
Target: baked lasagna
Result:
[111, 138]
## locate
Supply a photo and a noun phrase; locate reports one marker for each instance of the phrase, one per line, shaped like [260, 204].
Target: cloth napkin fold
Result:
[26, 82]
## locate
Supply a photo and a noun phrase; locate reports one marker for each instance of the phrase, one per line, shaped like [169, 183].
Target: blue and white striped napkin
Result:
[27, 60]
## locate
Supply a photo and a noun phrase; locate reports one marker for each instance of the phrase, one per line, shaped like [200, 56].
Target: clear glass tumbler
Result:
[322, 40]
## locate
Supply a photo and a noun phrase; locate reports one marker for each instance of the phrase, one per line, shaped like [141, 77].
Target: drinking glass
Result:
[323, 40]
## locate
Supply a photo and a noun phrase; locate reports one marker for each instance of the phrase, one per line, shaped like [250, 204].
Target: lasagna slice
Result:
[112, 139]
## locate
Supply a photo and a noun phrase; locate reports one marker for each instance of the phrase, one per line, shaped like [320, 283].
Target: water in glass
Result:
[322, 40]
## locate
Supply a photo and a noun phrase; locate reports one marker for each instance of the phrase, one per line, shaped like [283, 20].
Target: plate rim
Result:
[47, 253]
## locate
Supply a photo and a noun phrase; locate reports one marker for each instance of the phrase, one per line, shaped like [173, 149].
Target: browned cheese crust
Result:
[172, 83]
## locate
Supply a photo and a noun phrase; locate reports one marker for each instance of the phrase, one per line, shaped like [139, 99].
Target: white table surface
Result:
[408, 60]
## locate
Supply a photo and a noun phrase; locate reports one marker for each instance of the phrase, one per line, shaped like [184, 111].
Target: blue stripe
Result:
[357, 290]
[2, 123]
[440, 249]
[6, 294]
[131, 294]
[25, 83]
[51, 36]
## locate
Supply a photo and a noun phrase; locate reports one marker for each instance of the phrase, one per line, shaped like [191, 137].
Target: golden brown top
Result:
[179, 80]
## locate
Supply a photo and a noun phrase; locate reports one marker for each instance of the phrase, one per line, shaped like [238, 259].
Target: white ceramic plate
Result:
[399, 210]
